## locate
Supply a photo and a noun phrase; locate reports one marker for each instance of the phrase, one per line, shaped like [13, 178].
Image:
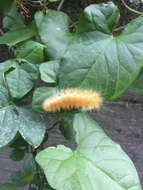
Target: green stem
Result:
[60, 5]
[133, 10]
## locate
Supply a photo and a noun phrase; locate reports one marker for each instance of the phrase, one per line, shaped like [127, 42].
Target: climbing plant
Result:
[65, 69]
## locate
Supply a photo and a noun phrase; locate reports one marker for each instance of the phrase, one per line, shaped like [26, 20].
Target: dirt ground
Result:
[121, 119]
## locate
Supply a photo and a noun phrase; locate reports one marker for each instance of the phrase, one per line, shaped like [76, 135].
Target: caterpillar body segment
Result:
[73, 99]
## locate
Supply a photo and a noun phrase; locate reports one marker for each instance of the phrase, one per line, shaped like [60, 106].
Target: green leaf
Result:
[48, 71]
[29, 164]
[17, 154]
[40, 95]
[92, 57]
[19, 142]
[137, 85]
[28, 177]
[8, 186]
[19, 81]
[101, 17]
[66, 126]
[3, 97]
[31, 51]
[31, 69]
[18, 35]
[16, 178]
[8, 125]
[5, 5]
[56, 26]
[12, 18]
[97, 163]
[31, 125]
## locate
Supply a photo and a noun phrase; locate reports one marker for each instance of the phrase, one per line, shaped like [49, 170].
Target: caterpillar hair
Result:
[73, 99]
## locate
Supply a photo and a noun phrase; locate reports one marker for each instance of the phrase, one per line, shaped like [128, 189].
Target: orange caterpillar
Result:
[73, 98]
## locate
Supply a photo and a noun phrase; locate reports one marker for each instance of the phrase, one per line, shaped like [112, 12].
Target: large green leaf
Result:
[31, 125]
[40, 95]
[93, 57]
[48, 71]
[18, 35]
[97, 163]
[31, 51]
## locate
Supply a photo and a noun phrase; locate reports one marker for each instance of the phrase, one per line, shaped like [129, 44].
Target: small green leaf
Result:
[19, 142]
[17, 154]
[28, 177]
[19, 82]
[40, 95]
[48, 71]
[29, 163]
[97, 162]
[31, 51]
[8, 186]
[16, 178]
[18, 35]
[8, 125]
[31, 125]
[137, 85]
[66, 126]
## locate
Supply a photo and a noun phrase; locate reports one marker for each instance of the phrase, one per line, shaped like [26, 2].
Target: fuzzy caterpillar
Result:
[73, 98]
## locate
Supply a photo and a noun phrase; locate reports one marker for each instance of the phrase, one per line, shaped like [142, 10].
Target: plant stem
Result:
[60, 5]
[133, 10]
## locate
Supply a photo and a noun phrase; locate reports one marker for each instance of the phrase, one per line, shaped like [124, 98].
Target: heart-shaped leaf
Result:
[97, 163]
[93, 57]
